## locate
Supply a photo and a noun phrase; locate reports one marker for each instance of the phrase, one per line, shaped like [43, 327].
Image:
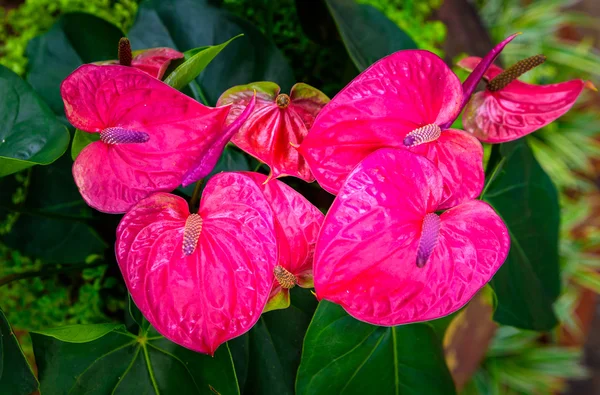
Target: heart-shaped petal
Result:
[397, 95]
[200, 279]
[298, 225]
[278, 124]
[177, 132]
[367, 256]
[517, 109]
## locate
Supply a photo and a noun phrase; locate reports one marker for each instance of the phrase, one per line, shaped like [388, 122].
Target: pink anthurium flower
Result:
[297, 225]
[400, 102]
[200, 279]
[509, 109]
[388, 257]
[277, 126]
[152, 137]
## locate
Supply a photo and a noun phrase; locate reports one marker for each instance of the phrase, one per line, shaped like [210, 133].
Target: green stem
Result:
[198, 92]
[45, 272]
[258, 166]
[196, 195]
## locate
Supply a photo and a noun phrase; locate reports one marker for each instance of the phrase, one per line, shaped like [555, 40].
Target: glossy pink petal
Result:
[153, 61]
[217, 291]
[177, 131]
[379, 108]
[277, 126]
[383, 225]
[518, 109]
[298, 225]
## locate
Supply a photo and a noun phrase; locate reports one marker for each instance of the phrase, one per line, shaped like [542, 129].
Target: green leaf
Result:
[524, 196]
[75, 39]
[81, 140]
[345, 356]
[53, 223]
[267, 357]
[195, 62]
[185, 24]
[16, 376]
[366, 32]
[80, 333]
[30, 134]
[121, 362]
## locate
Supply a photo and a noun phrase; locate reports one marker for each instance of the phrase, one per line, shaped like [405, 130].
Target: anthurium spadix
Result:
[400, 102]
[200, 278]
[508, 109]
[297, 224]
[153, 61]
[278, 124]
[152, 137]
[388, 257]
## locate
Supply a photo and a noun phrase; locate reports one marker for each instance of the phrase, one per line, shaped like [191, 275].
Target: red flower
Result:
[503, 113]
[400, 101]
[153, 61]
[388, 257]
[277, 126]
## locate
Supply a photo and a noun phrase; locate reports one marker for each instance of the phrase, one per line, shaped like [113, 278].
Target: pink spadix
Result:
[117, 135]
[429, 238]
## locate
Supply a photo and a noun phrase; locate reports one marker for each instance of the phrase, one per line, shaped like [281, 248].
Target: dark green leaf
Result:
[54, 223]
[75, 39]
[30, 134]
[16, 377]
[267, 357]
[186, 24]
[81, 140]
[367, 33]
[195, 62]
[345, 356]
[529, 281]
[80, 333]
[120, 362]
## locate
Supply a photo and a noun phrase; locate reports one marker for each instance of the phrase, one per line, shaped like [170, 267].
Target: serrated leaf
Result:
[30, 134]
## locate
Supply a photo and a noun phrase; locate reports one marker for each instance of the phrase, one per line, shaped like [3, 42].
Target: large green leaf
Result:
[267, 357]
[30, 134]
[75, 39]
[344, 356]
[121, 362]
[186, 24]
[53, 223]
[524, 196]
[195, 61]
[16, 377]
[367, 33]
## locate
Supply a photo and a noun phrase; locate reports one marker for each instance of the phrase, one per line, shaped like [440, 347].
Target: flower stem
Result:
[196, 195]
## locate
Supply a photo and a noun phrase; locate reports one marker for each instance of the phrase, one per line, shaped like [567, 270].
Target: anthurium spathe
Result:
[508, 109]
[297, 225]
[388, 257]
[153, 61]
[202, 278]
[151, 135]
[278, 124]
[400, 101]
